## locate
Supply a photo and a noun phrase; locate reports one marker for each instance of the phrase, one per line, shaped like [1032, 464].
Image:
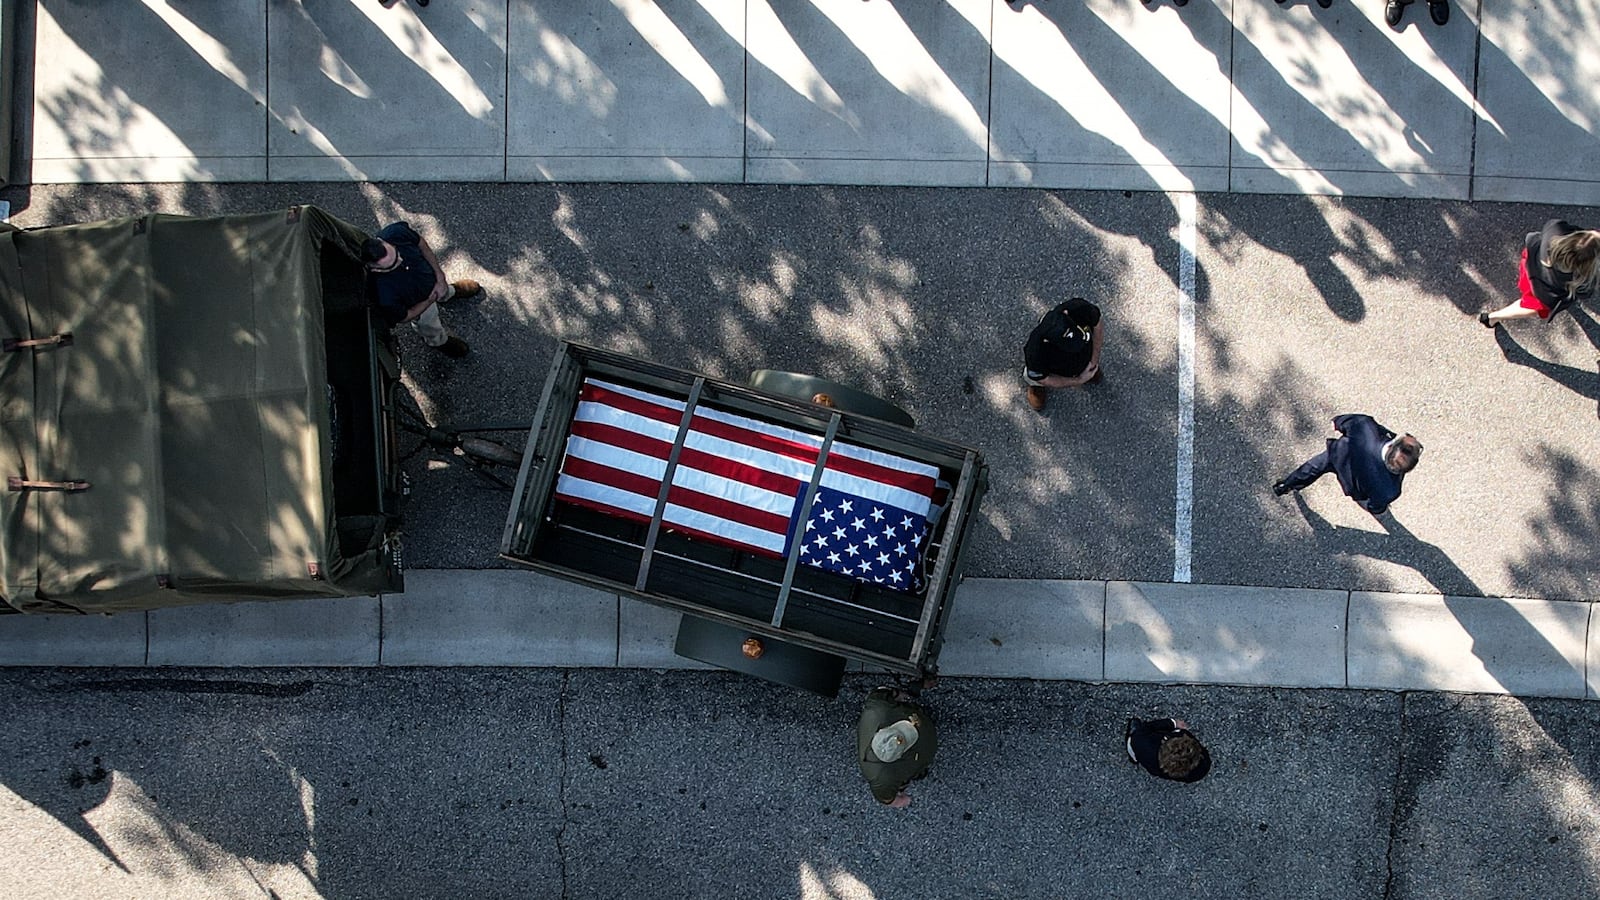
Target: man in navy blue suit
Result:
[1369, 460]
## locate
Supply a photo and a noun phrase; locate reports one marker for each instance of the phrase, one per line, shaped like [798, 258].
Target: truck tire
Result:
[848, 399]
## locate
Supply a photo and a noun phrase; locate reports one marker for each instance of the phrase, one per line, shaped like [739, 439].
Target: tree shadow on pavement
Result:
[1395, 544]
[1583, 382]
[1561, 561]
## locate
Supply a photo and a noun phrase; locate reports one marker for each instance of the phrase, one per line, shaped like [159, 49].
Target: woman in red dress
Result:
[1560, 264]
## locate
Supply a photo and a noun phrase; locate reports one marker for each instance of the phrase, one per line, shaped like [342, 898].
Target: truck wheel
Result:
[848, 399]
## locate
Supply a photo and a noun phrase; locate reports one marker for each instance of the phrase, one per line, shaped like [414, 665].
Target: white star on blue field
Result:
[871, 542]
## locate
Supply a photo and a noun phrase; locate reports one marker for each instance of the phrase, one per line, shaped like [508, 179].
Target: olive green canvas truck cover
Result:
[191, 401]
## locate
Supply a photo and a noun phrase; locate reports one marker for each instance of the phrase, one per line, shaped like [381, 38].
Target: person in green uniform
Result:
[895, 743]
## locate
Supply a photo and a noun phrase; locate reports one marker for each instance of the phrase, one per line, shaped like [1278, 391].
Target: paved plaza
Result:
[1286, 213]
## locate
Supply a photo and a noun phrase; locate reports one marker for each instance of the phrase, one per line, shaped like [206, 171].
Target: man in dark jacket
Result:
[1369, 460]
[895, 742]
[407, 284]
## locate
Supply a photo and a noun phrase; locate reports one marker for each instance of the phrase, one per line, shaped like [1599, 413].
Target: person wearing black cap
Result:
[1063, 350]
[895, 743]
[1167, 749]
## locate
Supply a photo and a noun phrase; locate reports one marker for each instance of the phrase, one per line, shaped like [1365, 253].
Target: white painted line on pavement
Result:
[1183, 526]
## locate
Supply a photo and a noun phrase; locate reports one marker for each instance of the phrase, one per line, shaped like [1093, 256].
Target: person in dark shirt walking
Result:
[1560, 264]
[1369, 460]
[1063, 350]
[407, 284]
[895, 743]
[1167, 749]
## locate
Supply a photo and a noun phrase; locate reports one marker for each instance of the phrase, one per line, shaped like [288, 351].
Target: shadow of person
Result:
[1395, 544]
[1586, 322]
[1583, 382]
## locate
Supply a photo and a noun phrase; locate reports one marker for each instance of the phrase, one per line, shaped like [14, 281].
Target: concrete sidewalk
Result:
[1221, 95]
[1094, 631]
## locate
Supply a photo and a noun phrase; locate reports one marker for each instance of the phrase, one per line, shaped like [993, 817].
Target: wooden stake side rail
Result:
[800, 517]
[666, 481]
[943, 569]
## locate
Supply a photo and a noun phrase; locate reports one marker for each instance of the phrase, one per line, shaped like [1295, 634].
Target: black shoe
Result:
[455, 347]
[1280, 487]
[1392, 11]
[1180, 2]
[1483, 319]
[1440, 11]
[1325, 4]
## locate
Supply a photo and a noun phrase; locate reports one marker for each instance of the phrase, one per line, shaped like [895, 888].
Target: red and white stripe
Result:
[738, 479]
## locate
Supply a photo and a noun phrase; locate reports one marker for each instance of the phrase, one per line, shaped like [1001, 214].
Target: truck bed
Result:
[753, 591]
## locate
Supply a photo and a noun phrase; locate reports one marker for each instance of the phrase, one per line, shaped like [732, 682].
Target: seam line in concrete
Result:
[744, 137]
[1105, 612]
[1394, 793]
[988, 118]
[1588, 633]
[266, 90]
[1233, 34]
[505, 107]
[566, 811]
[1349, 597]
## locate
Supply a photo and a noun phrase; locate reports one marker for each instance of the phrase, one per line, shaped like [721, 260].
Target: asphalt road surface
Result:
[603, 784]
[1303, 308]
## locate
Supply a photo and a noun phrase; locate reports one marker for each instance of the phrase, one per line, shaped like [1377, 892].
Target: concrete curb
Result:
[1118, 631]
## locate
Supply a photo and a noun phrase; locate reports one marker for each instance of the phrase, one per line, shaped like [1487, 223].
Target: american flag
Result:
[738, 481]
[868, 541]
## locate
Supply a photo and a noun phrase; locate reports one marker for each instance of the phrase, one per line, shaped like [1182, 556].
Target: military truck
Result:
[792, 534]
[193, 410]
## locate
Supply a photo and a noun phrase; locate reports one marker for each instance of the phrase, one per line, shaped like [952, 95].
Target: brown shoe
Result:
[466, 289]
[1036, 397]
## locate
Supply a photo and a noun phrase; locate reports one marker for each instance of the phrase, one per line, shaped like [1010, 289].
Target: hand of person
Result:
[901, 800]
[1088, 373]
[440, 287]
[1181, 724]
[418, 310]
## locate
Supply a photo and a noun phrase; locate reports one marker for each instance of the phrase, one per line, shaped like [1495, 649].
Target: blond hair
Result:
[1577, 254]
